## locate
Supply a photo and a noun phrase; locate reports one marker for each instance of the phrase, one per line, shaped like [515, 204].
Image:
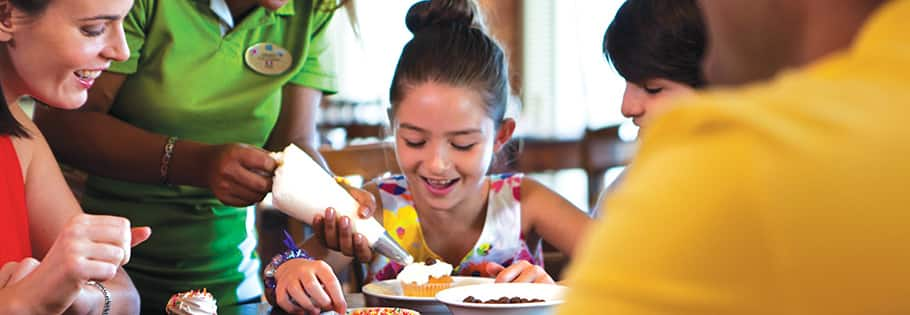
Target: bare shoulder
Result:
[530, 185]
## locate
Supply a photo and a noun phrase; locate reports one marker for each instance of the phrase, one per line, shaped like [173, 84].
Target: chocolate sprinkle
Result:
[501, 300]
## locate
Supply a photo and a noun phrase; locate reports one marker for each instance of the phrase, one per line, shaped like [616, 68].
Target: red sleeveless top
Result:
[14, 239]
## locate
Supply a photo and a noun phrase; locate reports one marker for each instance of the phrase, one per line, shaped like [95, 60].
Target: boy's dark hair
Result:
[451, 46]
[651, 39]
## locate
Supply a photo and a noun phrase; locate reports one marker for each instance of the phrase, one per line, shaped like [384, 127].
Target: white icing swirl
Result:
[420, 273]
[192, 303]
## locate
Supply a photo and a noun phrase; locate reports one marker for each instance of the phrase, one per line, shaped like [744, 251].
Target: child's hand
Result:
[337, 233]
[366, 200]
[520, 271]
[308, 286]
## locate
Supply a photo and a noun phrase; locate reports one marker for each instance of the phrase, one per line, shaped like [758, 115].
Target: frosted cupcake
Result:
[192, 303]
[425, 279]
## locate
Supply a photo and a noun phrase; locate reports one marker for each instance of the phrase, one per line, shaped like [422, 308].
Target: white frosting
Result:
[420, 273]
[192, 303]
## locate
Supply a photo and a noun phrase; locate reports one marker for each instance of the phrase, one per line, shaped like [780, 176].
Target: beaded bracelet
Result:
[292, 253]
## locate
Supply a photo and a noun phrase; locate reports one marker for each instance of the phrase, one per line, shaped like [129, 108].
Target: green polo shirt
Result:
[187, 80]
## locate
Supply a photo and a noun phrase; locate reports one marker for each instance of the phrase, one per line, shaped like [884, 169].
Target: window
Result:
[567, 83]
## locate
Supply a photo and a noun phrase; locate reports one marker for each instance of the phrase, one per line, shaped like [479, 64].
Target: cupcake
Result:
[425, 279]
[192, 303]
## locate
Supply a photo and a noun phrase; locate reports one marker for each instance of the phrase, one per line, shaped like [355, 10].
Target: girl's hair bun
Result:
[430, 13]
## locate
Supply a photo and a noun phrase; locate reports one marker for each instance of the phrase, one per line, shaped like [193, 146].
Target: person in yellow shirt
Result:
[783, 191]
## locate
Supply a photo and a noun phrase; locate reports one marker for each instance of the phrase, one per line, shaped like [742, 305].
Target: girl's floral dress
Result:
[501, 240]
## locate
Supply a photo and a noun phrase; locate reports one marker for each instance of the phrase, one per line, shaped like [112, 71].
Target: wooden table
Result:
[353, 299]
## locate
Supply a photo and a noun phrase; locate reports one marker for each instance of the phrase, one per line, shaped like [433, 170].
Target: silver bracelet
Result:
[166, 157]
[107, 296]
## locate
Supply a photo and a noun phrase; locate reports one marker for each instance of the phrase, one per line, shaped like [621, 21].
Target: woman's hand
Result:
[308, 286]
[520, 271]
[93, 247]
[337, 233]
[90, 247]
[14, 271]
[90, 300]
[240, 175]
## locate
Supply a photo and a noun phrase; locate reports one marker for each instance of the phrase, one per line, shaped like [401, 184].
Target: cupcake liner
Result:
[424, 290]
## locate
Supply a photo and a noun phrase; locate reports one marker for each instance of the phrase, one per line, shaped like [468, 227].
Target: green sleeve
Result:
[134, 26]
[318, 70]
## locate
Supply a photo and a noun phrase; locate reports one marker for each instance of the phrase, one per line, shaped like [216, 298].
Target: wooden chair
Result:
[358, 130]
[367, 160]
[600, 150]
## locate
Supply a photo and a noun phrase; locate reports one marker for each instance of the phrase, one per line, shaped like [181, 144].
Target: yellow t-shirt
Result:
[788, 197]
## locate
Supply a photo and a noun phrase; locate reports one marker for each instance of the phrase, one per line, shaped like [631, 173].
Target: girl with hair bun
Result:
[448, 96]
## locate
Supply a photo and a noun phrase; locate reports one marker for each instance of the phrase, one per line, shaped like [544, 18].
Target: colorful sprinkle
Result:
[381, 311]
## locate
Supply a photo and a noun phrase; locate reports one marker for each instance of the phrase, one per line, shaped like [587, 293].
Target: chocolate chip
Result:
[471, 299]
[430, 262]
[501, 300]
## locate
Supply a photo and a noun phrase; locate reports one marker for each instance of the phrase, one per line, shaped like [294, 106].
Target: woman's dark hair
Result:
[8, 124]
[451, 46]
[32, 7]
[651, 39]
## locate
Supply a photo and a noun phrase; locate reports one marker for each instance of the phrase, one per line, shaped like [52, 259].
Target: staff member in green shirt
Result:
[176, 137]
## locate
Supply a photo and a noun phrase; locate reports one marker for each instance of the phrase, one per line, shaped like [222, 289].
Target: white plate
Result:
[552, 295]
[389, 293]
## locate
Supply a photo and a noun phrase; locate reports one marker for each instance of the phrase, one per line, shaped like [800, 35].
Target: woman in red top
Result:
[14, 226]
[53, 50]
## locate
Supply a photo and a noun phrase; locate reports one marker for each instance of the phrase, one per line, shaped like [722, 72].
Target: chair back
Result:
[602, 149]
[366, 160]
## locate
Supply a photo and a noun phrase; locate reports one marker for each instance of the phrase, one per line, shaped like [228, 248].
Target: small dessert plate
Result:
[389, 293]
[551, 294]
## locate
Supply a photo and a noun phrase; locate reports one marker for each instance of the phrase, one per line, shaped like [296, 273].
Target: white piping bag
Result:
[302, 189]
